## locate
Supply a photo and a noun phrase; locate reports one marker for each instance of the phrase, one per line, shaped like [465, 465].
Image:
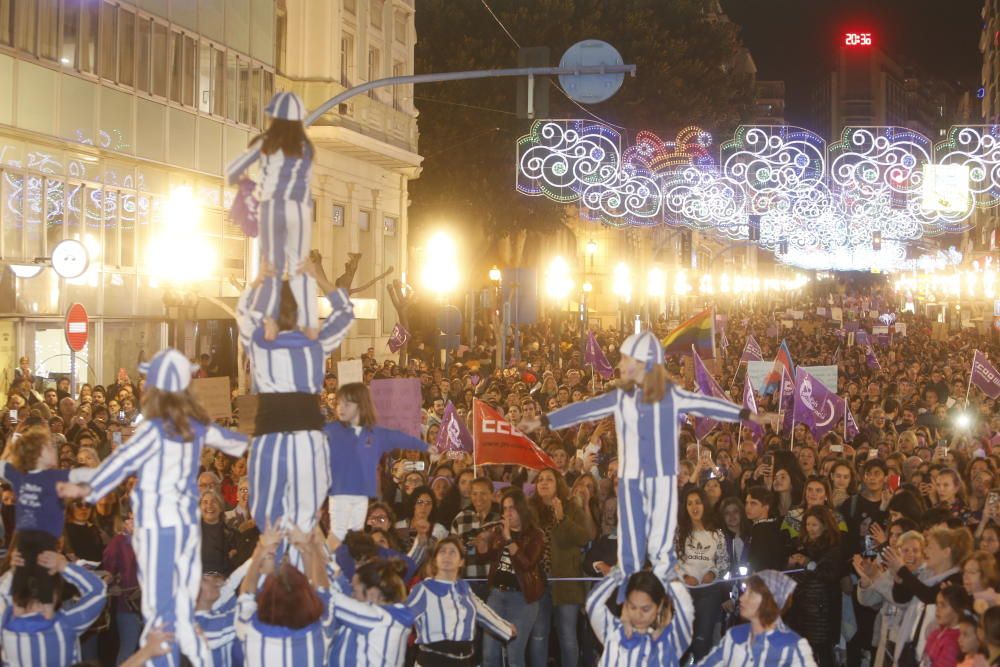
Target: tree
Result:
[689, 72]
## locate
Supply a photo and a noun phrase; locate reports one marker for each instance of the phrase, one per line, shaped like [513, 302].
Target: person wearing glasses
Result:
[416, 530]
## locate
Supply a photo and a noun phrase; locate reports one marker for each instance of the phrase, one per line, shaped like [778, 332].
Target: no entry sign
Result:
[77, 327]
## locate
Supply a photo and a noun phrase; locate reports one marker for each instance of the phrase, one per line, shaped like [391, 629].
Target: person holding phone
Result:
[356, 447]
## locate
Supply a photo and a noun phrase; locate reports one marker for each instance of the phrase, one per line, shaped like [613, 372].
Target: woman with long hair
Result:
[655, 623]
[561, 518]
[356, 447]
[517, 581]
[446, 611]
[119, 561]
[164, 453]
[701, 559]
[815, 494]
[843, 481]
[416, 530]
[765, 641]
[285, 154]
[646, 409]
[815, 612]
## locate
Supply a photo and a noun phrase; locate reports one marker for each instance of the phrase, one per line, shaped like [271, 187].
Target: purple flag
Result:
[399, 337]
[861, 337]
[850, 426]
[453, 438]
[706, 385]
[787, 403]
[985, 376]
[882, 339]
[871, 359]
[750, 403]
[594, 355]
[723, 341]
[814, 404]
[752, 351]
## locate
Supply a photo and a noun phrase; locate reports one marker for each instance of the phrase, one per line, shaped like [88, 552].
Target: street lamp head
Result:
[557, 279]
[591, 247]
[587, 287]
[495, 274]
[440, 271]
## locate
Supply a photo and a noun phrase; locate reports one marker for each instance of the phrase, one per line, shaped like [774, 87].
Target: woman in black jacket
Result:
[815, 612]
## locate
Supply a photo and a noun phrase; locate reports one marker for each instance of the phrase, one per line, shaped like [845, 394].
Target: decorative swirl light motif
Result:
[823, 208]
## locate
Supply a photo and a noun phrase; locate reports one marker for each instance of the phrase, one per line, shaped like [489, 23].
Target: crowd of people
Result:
[137, 531]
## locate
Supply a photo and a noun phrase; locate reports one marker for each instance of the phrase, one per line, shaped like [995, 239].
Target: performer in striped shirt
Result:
[216, 615]
[164, 453]
[290, 621]
[377, 587]
[765, 641]
[656, 623]
[45, 634]
[447, 611]
[647, 410]
[285, 212]
[289, 467]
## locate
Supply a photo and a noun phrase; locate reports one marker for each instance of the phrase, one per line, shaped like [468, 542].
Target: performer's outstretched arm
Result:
[601, 619]
[707, 406]
[236, 168]
[583, 411]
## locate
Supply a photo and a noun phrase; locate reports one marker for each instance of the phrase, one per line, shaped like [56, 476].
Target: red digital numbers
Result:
[857, 39]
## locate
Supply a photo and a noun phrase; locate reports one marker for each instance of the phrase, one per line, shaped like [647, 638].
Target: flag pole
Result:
[971, 371]
[475, 442]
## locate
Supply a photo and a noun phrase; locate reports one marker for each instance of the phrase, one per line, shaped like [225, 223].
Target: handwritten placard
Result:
[397, 404]
[349, 371]
[213, 394]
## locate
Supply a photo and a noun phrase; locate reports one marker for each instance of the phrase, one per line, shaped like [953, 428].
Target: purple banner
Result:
[814, 405]
[706, 385]
[752, 351]
[453, 436]
[750, 403]
[398, 338]
[594, 355]
[985, 376]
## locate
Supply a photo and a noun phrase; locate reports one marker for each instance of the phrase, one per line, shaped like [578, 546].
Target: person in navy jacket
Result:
[356, 446]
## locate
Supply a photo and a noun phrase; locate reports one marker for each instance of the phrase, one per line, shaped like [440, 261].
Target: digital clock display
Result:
[857, 39]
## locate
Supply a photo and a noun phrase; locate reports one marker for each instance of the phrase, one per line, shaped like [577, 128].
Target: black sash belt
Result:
[282, 413]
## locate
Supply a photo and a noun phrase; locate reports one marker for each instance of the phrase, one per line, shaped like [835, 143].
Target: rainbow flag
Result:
[699, 331]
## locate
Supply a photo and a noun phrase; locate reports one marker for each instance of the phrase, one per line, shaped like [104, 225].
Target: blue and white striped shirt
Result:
[36, 641]
[369, 635]
[292, 362]
[281, 177]
[647, 432]
[276, 646]
[640, 650]
[219, 623]
[166, 493]
[779, 647]
[449, 611]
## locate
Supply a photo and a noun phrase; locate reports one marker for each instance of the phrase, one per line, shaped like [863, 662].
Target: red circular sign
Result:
[77, 327]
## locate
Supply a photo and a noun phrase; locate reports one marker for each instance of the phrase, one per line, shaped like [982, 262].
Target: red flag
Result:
[496, 442]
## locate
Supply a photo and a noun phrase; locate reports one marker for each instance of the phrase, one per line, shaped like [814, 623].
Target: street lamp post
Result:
[499, 326]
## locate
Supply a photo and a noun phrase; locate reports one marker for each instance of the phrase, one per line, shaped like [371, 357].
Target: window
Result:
[126, 225]
[256, 86]
[34, 232]
[190, 71]
[281, 38]
[389, 225]
[232, 88]
[126, 47]
[110, 248]
[109, 54]
[48, 29]
[26, 25]
[244, 89]
[398, 69]
[374, 68]
[89, 24]
[346, 59]
[54, 190]
[71, 31]
[375, 13]
[399, 20]
[158, 59]
[337, 216]
[11, 192]
[7, 21]
[268, 83]
[143, 80]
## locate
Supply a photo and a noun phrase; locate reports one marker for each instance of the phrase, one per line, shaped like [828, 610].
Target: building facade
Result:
[108, 109]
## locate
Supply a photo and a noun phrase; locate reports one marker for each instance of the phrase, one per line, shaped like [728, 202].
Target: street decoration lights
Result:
[179, 255]
[440, 270]
[558, 282]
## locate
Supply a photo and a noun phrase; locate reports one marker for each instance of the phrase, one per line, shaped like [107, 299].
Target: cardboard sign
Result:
[837, 314]
[797, 314]
[826, 375]
[246, 405]
[213, 394]
[349, 371]
[397, 404]
[899, 328]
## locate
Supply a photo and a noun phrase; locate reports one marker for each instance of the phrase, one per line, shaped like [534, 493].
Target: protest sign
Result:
[246, 406]
[397, 404]
[349, 371]
[213, 394]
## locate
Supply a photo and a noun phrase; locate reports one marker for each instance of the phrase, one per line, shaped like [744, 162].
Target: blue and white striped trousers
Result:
[647, 521]
[169, 560]
[289, 477]
[285, 238]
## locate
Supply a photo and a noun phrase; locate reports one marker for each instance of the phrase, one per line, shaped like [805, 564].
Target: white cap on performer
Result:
[286, 106]
[643, 347]
[780, 585]
[168, 370]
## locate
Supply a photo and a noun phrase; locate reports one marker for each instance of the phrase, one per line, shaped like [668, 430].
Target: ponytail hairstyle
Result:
[287, 599]
[176, 409]
[387, 576]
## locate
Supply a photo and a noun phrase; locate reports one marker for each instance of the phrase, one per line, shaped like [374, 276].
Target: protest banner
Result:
[214, 396]
[349, 371]
[397, 404]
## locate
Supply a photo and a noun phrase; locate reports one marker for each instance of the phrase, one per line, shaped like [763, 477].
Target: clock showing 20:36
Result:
[857, 39]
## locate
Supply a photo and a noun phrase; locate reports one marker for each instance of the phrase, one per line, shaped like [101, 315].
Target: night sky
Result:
[794, 40]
